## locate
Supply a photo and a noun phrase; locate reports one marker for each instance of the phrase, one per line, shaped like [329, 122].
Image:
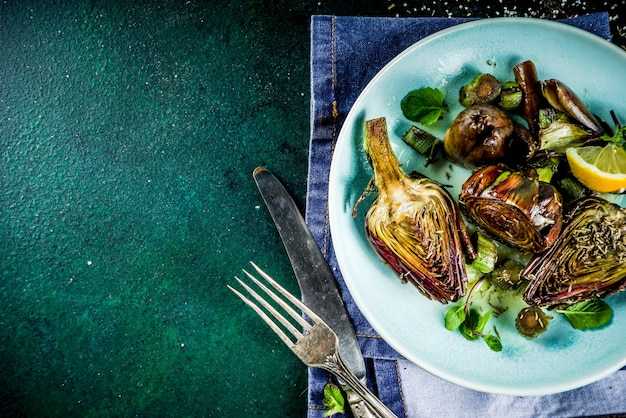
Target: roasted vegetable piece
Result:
[526, 77]
[507, 275]
[514, 207]
[560, 135]
[531, 321]
[486, 253]
[477, 135]
[522, 146]
[588, 259]
[547, 115]
[414, 224]
[484, 88]
[423, 142]
[511, 96]
[562, 98]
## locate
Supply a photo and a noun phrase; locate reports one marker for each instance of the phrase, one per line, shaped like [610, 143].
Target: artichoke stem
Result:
[387, 172]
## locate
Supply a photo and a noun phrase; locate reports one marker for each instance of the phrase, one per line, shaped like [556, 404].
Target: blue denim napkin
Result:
[346, 53]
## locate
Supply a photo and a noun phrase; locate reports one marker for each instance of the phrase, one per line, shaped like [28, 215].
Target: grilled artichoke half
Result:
[514, 207]
[414, 224]
[588, 260]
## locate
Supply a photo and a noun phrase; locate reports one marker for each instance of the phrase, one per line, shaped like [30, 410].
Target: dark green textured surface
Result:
[128, 134]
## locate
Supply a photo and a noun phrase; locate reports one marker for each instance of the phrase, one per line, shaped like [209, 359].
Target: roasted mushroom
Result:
[414, 224]
[514, 207]
[479, 134]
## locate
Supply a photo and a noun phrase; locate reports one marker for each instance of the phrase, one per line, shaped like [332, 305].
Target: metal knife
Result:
[315, 277]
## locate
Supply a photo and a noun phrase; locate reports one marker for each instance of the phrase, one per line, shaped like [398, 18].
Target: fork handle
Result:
[363, 402]
[365, 409]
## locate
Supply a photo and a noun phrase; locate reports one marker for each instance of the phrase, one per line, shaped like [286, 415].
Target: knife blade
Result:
[316, 280]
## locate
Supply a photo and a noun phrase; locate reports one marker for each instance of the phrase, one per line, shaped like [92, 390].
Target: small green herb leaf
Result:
[333, 399]
[425, 105]
[493, 343]
[592, 313]
[469, 327]
[474, 326]
[470, 322]
[455, 317]
[482, 322]
[620, 133]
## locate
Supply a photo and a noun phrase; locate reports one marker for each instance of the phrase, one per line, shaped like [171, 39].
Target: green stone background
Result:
[128, 135]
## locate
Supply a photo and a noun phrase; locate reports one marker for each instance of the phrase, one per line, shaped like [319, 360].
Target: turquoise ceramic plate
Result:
[561, 358]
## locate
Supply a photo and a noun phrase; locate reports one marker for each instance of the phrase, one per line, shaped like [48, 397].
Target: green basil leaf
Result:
[493, 343]
[592, 313]
[455, 317]
[425, 105]
[467, 330]
[482, 321]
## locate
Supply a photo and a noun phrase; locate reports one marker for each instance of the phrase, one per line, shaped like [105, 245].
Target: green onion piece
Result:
[545, 174]
[549, 114]
[422, 142]
[559, 135]
[487, 253]
[571, 187]
[511, 95]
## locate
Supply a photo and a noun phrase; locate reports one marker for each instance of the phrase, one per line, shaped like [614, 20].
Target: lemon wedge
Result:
[602, 169]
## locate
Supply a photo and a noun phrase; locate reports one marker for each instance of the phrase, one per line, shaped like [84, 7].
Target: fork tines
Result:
[272, 310]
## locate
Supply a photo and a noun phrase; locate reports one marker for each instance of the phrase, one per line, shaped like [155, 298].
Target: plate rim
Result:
[351, 115]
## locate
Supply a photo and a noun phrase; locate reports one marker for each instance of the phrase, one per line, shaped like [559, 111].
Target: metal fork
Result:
[316, 345]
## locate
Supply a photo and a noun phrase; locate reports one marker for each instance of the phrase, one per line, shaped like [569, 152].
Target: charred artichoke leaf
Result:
[414, 224]
[514, 207]
[588, 260]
